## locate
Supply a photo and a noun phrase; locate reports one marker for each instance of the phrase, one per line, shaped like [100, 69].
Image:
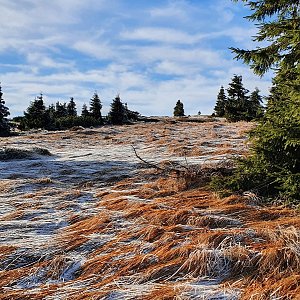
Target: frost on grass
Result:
[91, 221]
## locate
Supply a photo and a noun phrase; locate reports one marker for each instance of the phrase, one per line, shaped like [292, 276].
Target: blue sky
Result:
[152, 53]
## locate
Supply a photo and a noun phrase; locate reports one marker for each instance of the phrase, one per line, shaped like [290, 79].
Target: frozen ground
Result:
[92, 222]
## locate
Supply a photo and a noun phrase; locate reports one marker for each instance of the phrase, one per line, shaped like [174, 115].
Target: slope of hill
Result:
[91, 221]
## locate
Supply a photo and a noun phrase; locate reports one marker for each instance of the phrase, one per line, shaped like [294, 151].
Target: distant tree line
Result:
[238, 105]
[61, 116]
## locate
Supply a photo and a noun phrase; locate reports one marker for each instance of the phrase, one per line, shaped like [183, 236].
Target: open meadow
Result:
[82, 217]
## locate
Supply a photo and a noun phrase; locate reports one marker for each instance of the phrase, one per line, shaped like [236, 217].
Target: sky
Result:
[152, 53]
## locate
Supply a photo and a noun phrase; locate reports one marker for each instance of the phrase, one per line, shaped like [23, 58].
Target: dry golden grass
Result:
[150, 235]
[5, 186]
[5, 251]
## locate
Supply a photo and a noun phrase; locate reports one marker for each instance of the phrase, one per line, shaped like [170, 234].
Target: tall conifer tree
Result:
[220, 104]
[71, 108]
[274, 167]
[4, 113]
[85, 112]
[35, 115]
[237, 100]
[61, 110]
[117, 114]
[179, 109]
[95, 107]
[255, 107]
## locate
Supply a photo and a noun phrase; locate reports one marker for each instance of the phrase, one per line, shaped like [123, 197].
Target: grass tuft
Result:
[14, 153]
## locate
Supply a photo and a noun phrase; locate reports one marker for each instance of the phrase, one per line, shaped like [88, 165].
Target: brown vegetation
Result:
[146, 236]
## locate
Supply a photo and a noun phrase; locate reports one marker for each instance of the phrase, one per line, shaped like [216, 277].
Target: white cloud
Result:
[178, 10]
[100, 50]
[41, 60]
[197, 56]
[173, 68]
[162, 35]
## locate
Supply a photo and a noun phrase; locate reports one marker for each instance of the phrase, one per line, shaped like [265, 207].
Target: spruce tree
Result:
[71, 108]
[61, 110]
[36, 115]
[220, 104]
[95, 107]
[4, 113]
[274, 167]
[131, 115]
[117, 114]
[255, 108]
[237, 100]
[179, 109]
[85, 112]
[51, 110]
[51, 113]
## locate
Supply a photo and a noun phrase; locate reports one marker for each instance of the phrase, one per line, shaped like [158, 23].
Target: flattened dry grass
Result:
[6, 186]
[277, 271]
[164, 291]
[151, 235]
[176, 252]
[5, 251]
